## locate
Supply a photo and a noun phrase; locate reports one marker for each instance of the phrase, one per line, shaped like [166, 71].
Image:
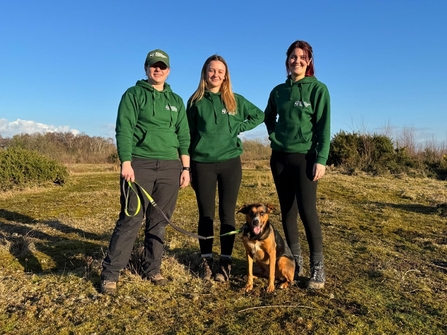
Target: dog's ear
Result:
[270, 208]
[243, 210]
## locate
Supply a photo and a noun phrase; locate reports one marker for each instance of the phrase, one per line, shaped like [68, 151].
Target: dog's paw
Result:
[270, 288]
[284, 285]
[248, 287]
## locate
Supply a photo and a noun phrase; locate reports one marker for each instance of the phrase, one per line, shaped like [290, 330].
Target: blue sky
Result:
[65, 64]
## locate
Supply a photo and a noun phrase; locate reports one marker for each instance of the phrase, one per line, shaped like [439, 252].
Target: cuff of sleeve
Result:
[184, 152]
[321, 160]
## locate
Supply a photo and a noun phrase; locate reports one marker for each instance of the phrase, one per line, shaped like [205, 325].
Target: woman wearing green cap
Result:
[216, 117]
[152, 138]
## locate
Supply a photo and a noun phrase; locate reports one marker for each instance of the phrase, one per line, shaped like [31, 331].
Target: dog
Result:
[264, 245]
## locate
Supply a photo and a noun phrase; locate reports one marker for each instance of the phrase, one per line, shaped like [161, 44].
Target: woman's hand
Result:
[318, 171]
[184, 179]
[127, 171]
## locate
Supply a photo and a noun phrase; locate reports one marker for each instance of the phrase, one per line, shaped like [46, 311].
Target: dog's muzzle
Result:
[256, 225]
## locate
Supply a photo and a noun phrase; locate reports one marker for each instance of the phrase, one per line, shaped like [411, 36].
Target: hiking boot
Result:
[108, 287]
[158, 279]
[299, 267]
[206, 268]
[223, 273]
[317, 277]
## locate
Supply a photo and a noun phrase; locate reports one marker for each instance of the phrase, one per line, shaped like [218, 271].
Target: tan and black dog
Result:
[266, 247]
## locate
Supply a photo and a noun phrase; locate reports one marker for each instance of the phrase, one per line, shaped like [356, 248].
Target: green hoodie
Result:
[214, 131]
[303, 124]
[151, 124]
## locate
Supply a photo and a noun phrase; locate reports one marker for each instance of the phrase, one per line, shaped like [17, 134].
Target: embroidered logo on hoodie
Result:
[224, 111]
[171, 108]
[302, 103]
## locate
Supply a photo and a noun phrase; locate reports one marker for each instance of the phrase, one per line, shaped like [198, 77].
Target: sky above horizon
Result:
[64, 65]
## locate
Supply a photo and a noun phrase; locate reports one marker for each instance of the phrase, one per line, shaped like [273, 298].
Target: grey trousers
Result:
[160, 178]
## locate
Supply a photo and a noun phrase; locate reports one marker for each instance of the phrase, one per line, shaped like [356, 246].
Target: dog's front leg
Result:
[272, 264]
[249, 285]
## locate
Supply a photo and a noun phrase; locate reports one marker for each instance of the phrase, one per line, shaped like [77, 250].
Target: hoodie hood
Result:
[145, 84]
[166, 92]
[215, 99]
[305, 80]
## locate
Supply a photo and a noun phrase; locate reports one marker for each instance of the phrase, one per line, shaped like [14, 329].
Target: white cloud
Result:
[9, 129]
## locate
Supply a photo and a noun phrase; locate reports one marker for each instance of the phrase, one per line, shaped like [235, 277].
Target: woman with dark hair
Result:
[216, 117]
[297, 118]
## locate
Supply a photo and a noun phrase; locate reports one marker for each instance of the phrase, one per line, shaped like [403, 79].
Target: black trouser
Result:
[297, 192]
[160, 178]
[227, 175]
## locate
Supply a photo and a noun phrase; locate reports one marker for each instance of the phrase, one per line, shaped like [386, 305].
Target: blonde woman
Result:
[216, 117]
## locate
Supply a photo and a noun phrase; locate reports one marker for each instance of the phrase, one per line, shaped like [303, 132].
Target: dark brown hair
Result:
[310, 71]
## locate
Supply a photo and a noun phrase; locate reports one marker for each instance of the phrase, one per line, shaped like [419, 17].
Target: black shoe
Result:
[223, 273]
[206, 268]
[317, 277]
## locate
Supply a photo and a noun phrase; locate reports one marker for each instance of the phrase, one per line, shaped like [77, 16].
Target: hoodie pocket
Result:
[217, 147]
[302, 137]
[291, 134]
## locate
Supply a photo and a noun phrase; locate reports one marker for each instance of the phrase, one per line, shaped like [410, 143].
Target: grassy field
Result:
[385, 242]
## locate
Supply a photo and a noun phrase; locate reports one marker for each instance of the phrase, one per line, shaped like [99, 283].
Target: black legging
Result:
[292, 173]
[227, 175]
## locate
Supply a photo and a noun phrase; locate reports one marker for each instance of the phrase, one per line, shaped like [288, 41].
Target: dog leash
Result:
[235, 231]
[153, 203]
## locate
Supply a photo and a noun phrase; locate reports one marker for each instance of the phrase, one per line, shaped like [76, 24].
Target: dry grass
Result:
[385, 246]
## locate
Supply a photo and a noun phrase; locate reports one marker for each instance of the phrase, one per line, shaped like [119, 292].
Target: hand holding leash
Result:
[127, 171]
[151, 200]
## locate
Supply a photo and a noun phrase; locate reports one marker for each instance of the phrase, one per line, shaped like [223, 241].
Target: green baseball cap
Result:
[157, 55]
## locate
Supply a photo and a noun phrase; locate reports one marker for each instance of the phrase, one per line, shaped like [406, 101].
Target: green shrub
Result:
[372, 153]
[21, 167]
[437, 166]
[344, 150]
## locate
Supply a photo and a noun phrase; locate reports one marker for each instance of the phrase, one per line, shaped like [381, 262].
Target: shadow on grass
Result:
[63, 228]
[38, 251]
[190, 258]
[416, 208]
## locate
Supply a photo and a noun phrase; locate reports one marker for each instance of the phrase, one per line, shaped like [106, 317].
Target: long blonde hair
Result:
[225, 90]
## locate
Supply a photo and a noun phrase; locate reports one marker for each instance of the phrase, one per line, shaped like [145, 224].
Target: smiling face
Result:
[215, 75]
[297, 64]
[157, 73]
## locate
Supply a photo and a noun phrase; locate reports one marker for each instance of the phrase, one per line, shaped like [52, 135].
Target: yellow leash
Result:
[151, 200]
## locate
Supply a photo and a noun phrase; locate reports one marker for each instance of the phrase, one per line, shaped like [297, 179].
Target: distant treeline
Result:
[350, 152]
[66, 147]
